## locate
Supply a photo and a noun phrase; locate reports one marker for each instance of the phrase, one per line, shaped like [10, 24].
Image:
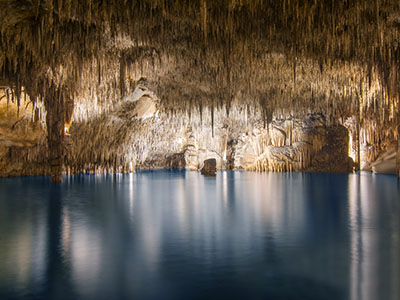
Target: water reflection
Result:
[170, 234]
[131, 195]
[23, 240]
[374, 230]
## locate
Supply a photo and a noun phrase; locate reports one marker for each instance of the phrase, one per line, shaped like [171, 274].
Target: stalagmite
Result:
[259, 56]
[357, 143]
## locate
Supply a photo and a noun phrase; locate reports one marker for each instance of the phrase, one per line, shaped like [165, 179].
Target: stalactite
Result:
[7, 96]
[204, 20]
[294, 72]
[201, 114]
[212, 119]
[122, 75]
[59, 41]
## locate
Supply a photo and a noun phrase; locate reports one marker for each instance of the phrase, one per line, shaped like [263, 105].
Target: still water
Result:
[178, 235]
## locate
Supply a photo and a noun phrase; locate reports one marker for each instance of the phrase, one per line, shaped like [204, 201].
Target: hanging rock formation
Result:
[20, 132]
[139, 135]
[261, 60]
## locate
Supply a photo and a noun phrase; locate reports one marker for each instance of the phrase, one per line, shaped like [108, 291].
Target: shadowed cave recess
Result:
[113, 86]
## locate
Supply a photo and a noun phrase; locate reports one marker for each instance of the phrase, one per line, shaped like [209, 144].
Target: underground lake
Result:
[175, 234]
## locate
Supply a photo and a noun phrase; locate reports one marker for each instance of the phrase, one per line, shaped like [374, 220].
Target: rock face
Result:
[295, 145]
[21, 135]
[209, 168]
[271, 61]
[137, 134]
[385, 163]
[333, 157]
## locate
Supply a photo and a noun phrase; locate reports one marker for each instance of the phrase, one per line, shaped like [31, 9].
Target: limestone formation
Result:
[385, 163]
[20, 132]
[210, 63]
[124, 140]
[333, 156]
[209, 168]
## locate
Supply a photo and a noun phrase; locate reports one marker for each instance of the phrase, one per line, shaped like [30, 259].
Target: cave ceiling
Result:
[288, 55]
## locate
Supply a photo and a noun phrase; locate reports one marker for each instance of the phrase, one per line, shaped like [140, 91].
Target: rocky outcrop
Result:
[385, 163]
[209, 168]
[333, 157]
[292, 144]
[20, 135]
[138, 135]
[191, 152]
[269, 58]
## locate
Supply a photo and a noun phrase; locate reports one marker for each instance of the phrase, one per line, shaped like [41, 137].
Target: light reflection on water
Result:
[374, 223]
[176, 234]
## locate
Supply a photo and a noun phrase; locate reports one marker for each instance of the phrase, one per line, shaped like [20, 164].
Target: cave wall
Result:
[339, 58]
[139, 134]
[22, 136]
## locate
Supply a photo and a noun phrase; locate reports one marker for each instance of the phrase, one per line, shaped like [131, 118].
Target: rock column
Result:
[55, 106]
[355, 145]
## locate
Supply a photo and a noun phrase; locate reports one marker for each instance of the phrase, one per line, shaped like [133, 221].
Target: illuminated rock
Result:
[295, 145]
[269, 58]
[385, 163]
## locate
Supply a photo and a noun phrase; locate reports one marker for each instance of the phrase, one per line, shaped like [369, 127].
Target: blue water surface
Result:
[174, 234]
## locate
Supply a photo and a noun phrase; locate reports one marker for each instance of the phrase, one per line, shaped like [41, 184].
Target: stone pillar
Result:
[355, 146]
[354, 143]
[54, 103]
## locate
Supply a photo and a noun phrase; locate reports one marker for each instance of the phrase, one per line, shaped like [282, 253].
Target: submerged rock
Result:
[209, 168]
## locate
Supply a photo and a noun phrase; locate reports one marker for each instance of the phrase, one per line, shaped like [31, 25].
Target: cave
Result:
[99, 95]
